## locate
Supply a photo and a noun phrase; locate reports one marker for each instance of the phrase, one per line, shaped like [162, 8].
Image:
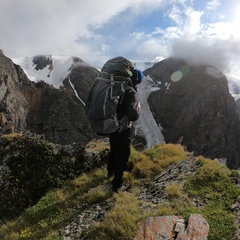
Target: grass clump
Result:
[166, 154]
[121, 220]
[173, 190]
[211, 180]
[163, 209]
[144, 167]
[214, 189]
[97, 146]
[156, 159]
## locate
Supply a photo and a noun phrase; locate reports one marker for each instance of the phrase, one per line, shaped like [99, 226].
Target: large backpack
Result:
[105, 95]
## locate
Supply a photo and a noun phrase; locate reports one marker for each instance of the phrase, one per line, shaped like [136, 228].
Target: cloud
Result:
[98, 30]
[203, 51]
[52, 25]
[206, 49]
[213, 4]
[60, 26]
[215, 43]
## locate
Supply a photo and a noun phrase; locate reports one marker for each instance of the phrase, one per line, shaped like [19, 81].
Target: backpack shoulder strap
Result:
[128, 87]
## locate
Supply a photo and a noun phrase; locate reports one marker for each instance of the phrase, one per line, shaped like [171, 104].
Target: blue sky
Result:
[203, 31]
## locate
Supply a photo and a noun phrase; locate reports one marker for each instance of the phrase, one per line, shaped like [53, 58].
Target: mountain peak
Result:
[194, 102]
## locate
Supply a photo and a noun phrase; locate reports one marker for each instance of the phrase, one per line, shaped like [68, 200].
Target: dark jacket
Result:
[129, 106]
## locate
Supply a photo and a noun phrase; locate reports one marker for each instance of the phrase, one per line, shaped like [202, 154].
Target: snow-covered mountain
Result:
[53, 69]
[48, 68]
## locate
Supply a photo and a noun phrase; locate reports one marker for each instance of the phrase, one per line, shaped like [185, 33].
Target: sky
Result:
[202, 31]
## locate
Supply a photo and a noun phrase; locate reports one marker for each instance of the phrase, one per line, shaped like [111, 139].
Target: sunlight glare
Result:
[179, 74]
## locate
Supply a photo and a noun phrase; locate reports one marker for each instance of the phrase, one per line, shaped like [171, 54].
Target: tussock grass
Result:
[156, 159]
[121, 221]
[173, 190]
[212, 177]
[167, 154]
[97, 145]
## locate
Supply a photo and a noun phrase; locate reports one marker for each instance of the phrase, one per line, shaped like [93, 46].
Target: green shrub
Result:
[34, 168]
[222, 223]
[213, 187]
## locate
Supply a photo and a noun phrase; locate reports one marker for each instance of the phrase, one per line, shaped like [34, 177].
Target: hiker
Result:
[112, 104]
[121, 139]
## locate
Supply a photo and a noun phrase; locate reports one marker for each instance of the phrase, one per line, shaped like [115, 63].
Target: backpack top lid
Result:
[137, 76]
[119, 66]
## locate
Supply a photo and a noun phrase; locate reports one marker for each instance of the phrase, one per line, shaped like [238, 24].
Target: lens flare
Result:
[179, 74]
[176, 76]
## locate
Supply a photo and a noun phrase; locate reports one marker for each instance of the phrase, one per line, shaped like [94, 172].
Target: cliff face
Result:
[43, 109]
[194, 102]
[13, 105]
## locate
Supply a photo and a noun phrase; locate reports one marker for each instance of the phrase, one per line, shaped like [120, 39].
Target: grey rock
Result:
[198, 108]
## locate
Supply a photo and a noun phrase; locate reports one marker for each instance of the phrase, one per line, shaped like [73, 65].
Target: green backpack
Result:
[105, 94]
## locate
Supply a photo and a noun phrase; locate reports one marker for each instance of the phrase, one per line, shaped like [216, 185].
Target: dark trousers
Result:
[118, 156]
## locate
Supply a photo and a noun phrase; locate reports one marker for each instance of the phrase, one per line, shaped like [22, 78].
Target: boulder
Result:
[173, 227]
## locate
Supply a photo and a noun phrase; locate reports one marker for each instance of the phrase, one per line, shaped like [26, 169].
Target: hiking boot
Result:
[115, 189]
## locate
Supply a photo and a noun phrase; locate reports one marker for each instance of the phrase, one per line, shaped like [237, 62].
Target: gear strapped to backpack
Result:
[105, 94]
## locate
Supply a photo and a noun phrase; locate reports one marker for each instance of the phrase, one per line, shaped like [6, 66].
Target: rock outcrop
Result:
[13, 105]
[41, 108]
[173, 227]
[193, 102]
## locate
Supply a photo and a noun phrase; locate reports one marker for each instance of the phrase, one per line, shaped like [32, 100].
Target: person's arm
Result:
[132, 104]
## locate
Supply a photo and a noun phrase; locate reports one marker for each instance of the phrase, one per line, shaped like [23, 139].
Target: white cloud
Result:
[175, 14]
[192, 24]
[150, 49]
[158, 30]
[60, 27]
[213, 4]
[214, 43]
[203, 51]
